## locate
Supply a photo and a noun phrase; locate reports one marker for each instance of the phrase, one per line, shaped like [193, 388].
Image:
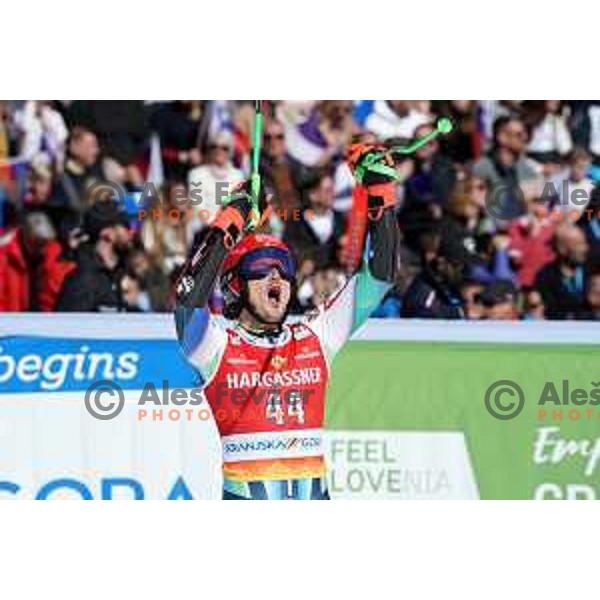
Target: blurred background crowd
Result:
[63, 248]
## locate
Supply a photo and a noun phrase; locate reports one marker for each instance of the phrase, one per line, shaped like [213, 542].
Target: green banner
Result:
[432, 387]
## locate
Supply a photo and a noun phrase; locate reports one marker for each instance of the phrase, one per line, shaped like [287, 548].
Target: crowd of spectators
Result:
[66, 247]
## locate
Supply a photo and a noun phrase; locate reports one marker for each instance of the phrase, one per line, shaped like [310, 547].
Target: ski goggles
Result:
[259, 264]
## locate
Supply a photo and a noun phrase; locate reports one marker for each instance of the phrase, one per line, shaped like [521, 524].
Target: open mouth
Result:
[274, 294]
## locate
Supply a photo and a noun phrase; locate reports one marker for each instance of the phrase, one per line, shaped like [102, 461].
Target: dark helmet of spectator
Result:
[498, 300]
[498, 292]
[447, 260]
[104, 214]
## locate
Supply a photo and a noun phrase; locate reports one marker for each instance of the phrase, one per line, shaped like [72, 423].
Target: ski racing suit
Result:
[267, 390]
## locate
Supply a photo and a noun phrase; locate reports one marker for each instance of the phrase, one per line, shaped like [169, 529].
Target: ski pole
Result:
[255, 174]
[442, 127]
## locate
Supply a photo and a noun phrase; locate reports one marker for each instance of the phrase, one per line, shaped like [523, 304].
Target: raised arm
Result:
[352, 306]
[202, 336]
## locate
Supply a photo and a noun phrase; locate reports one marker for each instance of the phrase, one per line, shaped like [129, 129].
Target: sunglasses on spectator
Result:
[223, 147]
[275, 136]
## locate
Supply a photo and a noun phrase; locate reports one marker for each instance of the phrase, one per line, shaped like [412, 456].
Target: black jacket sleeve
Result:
[201, 270]
[384, 256]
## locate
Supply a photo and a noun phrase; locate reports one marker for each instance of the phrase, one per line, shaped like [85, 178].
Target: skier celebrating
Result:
[264, 375]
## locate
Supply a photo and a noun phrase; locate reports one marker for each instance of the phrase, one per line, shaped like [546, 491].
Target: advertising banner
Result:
[549, 449]
[407, 417]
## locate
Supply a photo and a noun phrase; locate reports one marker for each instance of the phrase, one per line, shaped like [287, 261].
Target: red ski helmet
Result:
[255, 254]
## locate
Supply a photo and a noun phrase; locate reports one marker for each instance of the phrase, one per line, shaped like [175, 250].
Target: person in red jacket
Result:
[530, 245]
[31, 267]
[14, 273]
